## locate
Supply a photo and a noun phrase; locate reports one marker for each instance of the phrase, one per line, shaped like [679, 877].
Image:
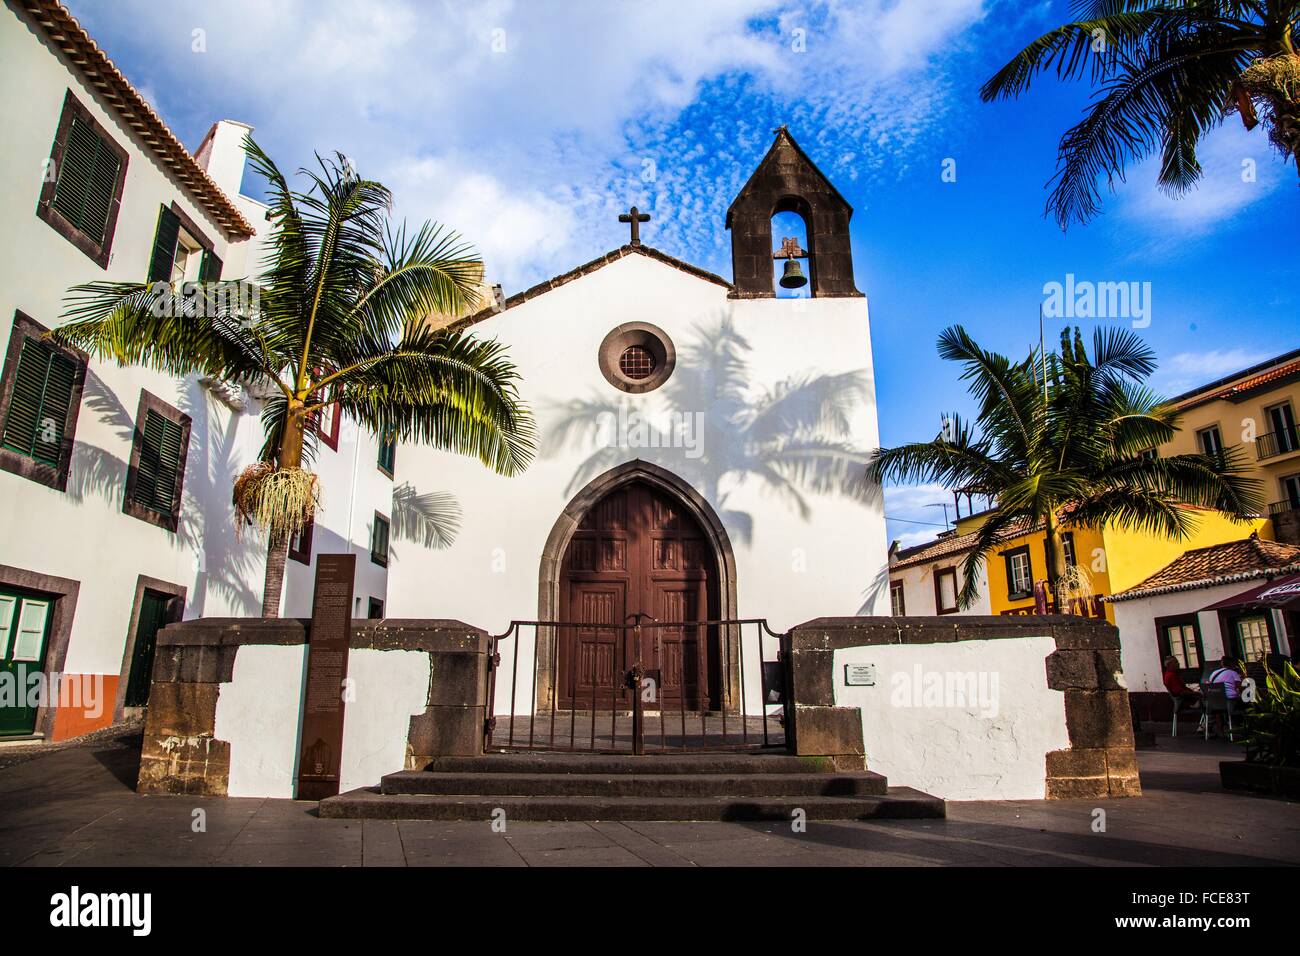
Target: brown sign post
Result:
[327, 670]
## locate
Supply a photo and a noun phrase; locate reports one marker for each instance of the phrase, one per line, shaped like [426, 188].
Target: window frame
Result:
[940, 573]
[1229, 620]
[897, 587]
[1008, 558]
[373, 604]
[302, 554]
[391, 468]
[56, 477]
[1286, 492]
[1287, 413]
[170, 521]
[329, 438]
[100, 252]
[375, 557]
[1068, 551]
[1163, 646]
[1218, 438]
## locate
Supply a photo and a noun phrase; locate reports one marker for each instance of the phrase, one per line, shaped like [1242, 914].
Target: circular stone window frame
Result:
[651, 338]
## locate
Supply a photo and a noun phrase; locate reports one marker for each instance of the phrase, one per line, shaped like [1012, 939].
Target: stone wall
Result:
[1063, 724]
[195, 662]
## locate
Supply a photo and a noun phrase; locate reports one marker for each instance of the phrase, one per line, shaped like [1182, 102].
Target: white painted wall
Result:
[992, 748]
[918, 588]
[259, 714]
[82, 533]
[790, 566]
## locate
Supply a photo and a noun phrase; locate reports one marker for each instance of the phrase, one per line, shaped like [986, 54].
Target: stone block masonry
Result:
[226, 698]
[968, 708]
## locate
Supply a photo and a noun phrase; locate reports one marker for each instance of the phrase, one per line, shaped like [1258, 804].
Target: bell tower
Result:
[788, 181]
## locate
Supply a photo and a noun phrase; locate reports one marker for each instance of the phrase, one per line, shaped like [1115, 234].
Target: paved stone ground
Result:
[73, 805]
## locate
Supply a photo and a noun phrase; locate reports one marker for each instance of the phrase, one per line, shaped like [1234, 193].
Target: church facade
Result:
[702, 443]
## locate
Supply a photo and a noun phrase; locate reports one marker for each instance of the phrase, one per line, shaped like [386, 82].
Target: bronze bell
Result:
[793, 277]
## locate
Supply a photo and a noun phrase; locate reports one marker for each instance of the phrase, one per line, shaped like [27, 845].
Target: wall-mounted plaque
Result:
[327, 669]
[860, 675]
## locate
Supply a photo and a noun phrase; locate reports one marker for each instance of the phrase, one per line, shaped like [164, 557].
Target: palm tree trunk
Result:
[277, 549]
[1049, 551]
[273, 585]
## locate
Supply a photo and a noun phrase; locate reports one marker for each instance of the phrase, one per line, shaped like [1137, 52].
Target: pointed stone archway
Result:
[551, 571]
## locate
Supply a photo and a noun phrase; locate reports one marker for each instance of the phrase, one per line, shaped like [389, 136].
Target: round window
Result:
[637, 357]
[636, 362]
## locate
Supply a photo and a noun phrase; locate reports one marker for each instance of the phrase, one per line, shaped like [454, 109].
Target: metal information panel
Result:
[327, 669]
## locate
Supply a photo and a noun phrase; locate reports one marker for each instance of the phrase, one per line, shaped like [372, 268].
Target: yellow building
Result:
[1109, 560]
[1254, 409]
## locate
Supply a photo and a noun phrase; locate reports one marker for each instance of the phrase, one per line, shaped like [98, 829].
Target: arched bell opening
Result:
[793, 261]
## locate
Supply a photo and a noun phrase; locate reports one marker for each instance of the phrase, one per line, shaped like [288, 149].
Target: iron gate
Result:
[642, 686]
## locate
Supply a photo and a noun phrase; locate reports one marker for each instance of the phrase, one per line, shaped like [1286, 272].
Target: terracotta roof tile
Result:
[1234, 561]
[108, 82]
[1246, 385]
[945, 547]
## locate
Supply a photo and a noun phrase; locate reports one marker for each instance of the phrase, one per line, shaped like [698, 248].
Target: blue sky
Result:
[530, 125]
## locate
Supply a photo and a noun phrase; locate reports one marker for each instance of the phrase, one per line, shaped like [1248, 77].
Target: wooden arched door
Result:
[638, 554]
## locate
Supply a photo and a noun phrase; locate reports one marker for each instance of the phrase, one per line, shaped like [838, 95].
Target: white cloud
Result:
[1187, 370]
[915, 513]
[1240, 168]
[525, 125]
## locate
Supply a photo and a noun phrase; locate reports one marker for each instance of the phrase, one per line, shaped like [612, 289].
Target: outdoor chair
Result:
[1180, 704]
[1215, 700]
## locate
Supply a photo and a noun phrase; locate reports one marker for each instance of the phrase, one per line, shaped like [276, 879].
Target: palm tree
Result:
[1067, 440]
[340, 319]
[1166, 72]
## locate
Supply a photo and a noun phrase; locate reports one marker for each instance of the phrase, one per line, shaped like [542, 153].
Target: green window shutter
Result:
[164, 246]
[379, 540]
[87, 180]
[158, 470]
[8, 604]
[42, 397]
[387, 454]
[210, 270]
[30, 644]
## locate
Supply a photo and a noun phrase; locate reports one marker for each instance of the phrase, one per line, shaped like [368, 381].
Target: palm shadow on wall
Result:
[794, 438]
[228, 561]
[431, 519]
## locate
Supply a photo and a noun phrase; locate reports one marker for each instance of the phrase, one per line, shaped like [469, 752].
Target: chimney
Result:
[222, 154]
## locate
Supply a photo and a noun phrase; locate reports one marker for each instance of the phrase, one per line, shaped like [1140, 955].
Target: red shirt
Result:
[1174, 683]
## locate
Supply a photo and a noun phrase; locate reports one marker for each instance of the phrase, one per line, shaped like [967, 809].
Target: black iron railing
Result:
[1282, 507]
[1277, 443]
[642, 686]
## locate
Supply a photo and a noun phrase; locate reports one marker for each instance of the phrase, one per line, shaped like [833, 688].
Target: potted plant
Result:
[1272, 763]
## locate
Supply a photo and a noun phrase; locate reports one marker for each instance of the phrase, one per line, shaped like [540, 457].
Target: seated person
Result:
[1228, 673]
[1173, 681]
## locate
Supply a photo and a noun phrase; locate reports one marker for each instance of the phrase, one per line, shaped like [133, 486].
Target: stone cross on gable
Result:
[635, 217]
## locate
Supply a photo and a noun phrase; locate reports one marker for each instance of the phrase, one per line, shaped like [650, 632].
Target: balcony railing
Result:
[1277, 443]
[1282, 507]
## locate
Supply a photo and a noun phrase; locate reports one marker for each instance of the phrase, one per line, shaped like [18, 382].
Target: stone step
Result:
[605, 764]
[860, 784]
[369, 804]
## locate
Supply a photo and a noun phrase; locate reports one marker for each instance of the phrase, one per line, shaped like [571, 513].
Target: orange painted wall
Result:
[77, 718]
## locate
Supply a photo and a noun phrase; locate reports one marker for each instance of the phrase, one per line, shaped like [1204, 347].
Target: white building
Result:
[96, 551]
[703, 447]
[927, 578]
[1206, 603]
